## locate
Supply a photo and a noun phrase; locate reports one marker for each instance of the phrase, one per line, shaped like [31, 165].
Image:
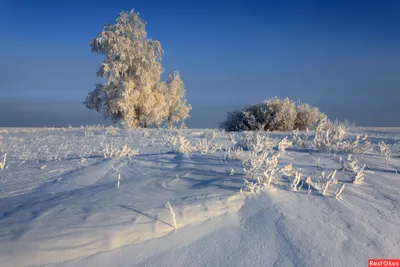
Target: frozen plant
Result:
[284, 144]
[359, 175]
[170, 140]
[350, 164]
[211, 134]
[205, 146]
[261, 168]
[356, 146]
[171, 211]
[300, 139]
[296, 181]
[287, 170]
[269, 175]
[178, 143]
[326, 187]
[119, 175]
[254, 163]
[331, 180]
[254, 141]
[383, 148]
[339, 191]
[110, 151]
[232, 153]
[184, 145]
[3, 161]
[252, 187]
[89, 133]
[329, 136]
[232, 139]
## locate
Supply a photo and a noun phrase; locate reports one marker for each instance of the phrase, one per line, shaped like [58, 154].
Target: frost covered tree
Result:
[132, 68]
[178, 109]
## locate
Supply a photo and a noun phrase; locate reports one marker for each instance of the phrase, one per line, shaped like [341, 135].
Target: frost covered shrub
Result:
[234, 154]
[110, 151]
[360, 145]
[301, 139]
[273, 115]
[211, 134]
[178, 143]
[306, 117]
[205, 146]
[262, 169]
[282, 114]
[235, 122]
[329, 135]
[254, 141]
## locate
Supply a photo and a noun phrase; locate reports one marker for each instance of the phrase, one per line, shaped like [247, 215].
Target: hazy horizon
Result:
[39, 113]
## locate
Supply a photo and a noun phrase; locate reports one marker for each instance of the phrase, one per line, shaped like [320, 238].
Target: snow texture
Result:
[63, 203]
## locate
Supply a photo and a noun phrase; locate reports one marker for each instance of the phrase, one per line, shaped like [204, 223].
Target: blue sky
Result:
[343, 56]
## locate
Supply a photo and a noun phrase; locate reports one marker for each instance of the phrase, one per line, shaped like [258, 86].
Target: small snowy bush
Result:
[263, 169]
[360, 145]
[234, 154]
[283, 114]
[211, 134]
[178, 143]
[110, 151]
[306, 117]
[329, 136]
[351, 165]
[284, 144]
[359, 175]
[300, 140]
[274, 115]
[254, 141]
[205, 146]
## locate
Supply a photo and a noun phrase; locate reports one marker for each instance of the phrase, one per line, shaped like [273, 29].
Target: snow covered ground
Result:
[68, 198]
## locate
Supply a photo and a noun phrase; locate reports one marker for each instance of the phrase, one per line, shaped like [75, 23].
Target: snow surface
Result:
[60, 205]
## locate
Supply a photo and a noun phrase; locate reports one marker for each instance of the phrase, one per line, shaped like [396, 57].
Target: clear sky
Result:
[343, 56]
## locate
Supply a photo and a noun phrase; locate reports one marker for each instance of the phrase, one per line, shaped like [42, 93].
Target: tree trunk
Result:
[144, 123]
[155, 124]
[138, 117]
